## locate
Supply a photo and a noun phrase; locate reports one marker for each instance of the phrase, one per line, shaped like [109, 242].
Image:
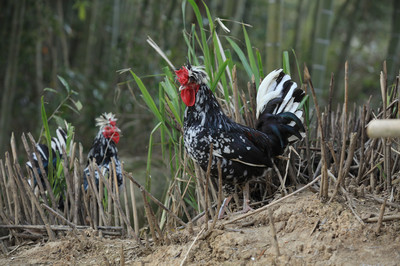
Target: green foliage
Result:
[57, 179]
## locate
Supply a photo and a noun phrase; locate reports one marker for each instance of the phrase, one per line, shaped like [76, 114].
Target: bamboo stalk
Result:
[125, 193]
[344, 128]
[23, 194]
[41, 212]
[324, 181]
[93, 188]
[386, 141]
[182, 203]
[149, 218]
[134, 208]
[362, 146]
[273, 232]
[70, 187]
[380, 218]
[114, 187]
[4, 186]
[35, 172]
[77, 191]
[58, 215]
[131, 232]
[235, 94]
[345, 169]
[179, 220]
[210, 157]
[87, 209]
[14, 190]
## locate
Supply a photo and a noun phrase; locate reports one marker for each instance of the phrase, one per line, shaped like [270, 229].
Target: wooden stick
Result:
[42, 170]
[55, 213]
[134, 209]
[182, 202]
[273, 232]
[380, 218]
[384, 218]
[118, 206]
[41, 212]
[4, 189]
[94, 189]
[149, 218]
[210, 157]
[345, 169]
[23, 194]
[324, 181]
[235, 94]
[14, 190]
[77, 190]
[179, 220]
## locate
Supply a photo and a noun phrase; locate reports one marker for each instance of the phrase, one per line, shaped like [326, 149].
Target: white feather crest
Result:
[104, 119]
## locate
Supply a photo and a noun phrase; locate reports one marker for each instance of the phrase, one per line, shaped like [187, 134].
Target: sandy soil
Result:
[308, 232]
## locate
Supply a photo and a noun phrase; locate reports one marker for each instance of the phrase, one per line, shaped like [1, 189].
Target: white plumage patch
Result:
[269, 90]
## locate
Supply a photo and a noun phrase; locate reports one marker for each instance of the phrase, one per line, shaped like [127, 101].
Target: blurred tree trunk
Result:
[63, 38]
[91, 41]
[339, 16]
[274, 32]
[394, 43]
[115, 24]
[38, 50]
[321, 43]
[297, 25]
[310, 46]
[240, 8]
[351, 20]
[11, 73]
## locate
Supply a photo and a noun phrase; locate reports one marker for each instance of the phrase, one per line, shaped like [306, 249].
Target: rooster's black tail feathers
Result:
[278, 99]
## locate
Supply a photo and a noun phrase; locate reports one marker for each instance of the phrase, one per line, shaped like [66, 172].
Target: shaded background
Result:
[87, 42]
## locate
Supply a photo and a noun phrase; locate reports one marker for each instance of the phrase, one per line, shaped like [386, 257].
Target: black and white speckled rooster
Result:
[104, 148]
[245, 153]
[58, 144]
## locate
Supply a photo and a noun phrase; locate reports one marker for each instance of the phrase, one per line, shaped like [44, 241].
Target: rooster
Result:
[58, 146]
[104, 149]
[245, 153]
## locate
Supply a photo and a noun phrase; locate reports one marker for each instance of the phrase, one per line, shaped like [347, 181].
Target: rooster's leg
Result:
[221, 212]
[246, 198]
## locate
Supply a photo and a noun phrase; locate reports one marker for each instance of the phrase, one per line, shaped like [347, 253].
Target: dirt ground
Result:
[308, 232]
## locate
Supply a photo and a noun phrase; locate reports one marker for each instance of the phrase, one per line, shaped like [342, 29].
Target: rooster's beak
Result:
[181, 88]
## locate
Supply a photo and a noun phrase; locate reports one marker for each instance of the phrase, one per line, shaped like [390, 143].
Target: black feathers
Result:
[104, 149]
[244, 152]
[58, 145]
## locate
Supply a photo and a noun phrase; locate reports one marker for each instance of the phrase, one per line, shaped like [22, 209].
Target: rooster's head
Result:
[108, 127]
[190, 78]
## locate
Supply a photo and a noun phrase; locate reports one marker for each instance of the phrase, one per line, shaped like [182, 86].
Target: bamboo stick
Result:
[324, 181]
[179, 220]
[77, 191]
[41, 212]
[131, 232]
[35, 172]
[134, 208]
[14, 190]
[4, 186]
[93, 188]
